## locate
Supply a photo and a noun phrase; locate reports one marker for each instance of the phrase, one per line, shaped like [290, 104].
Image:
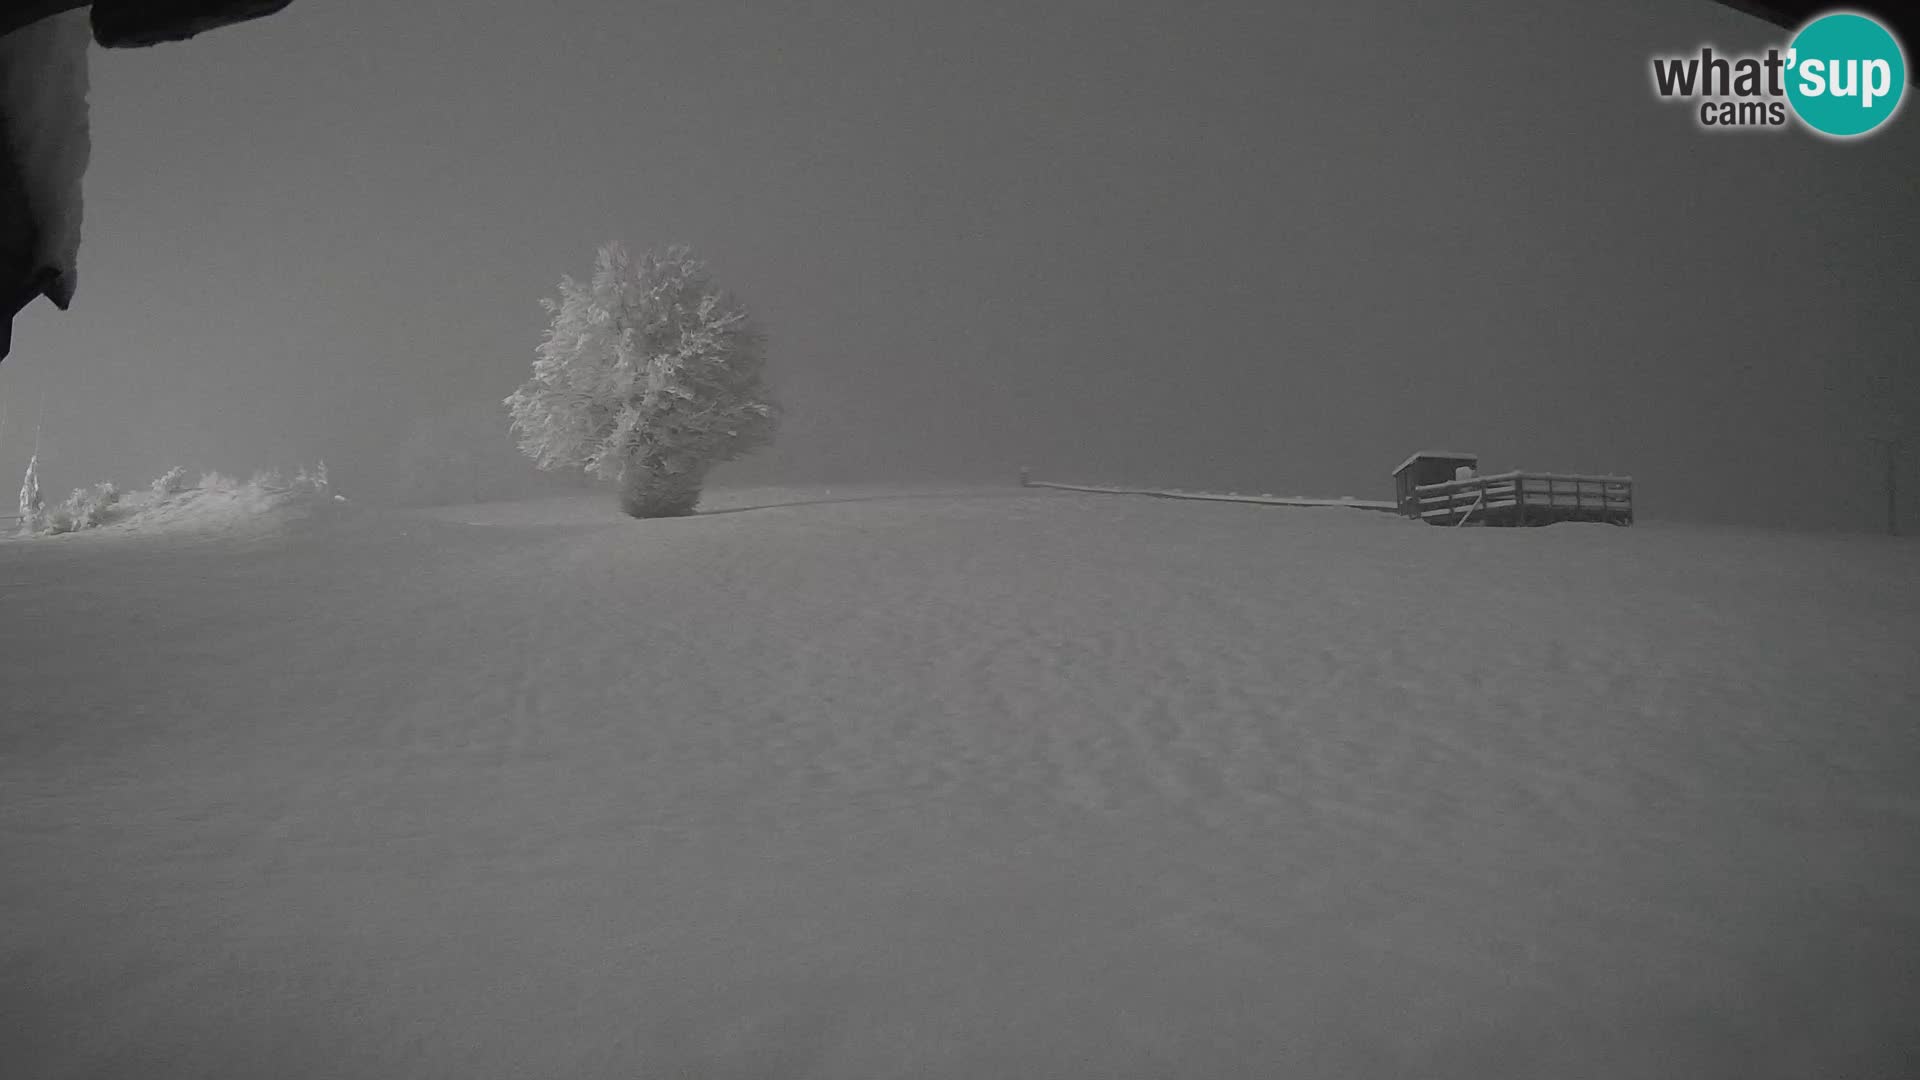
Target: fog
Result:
[1238, 246]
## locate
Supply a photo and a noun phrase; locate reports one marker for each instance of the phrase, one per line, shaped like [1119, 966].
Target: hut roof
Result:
[1444, 455]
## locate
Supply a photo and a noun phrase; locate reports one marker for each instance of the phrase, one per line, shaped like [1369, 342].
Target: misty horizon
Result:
[1115, 244]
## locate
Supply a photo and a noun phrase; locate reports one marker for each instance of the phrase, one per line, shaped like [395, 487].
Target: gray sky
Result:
[1253, 246]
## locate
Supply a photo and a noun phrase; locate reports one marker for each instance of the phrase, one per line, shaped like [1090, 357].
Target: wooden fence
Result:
[1526, 498]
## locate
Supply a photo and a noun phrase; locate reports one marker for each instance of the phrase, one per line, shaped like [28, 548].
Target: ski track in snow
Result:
[988, 783]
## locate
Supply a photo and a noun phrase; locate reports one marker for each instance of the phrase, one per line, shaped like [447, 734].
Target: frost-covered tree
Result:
[32, 506]
[649, 375]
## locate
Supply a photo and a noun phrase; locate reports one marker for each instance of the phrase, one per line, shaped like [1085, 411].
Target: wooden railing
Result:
[1527, 498]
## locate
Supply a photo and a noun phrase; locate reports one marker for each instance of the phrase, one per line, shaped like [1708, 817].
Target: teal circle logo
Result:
[1846, 74]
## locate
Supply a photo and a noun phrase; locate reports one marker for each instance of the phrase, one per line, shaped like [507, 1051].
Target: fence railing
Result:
[1528, 496]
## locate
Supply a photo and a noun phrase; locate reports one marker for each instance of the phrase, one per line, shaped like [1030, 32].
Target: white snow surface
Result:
[872, 783]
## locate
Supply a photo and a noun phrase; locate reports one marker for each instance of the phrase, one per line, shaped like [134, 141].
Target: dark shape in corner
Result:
[127, 25]
[44, 139]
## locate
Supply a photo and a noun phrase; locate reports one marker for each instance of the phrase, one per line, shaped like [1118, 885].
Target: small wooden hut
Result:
[1424, 467]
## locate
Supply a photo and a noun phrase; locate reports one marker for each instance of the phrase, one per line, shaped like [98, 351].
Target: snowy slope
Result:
[969, 784]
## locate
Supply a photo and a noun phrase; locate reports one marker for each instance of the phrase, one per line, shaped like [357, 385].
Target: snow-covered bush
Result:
[169, 501]
[649, 375]
[172, 482]
[311, 483]
[86, 508]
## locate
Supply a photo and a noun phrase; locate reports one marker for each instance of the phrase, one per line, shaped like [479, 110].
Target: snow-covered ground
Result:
[864, 784]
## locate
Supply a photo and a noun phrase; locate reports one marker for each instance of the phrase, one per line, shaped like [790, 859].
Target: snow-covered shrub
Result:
[649, 375]
[219, 498]
[172, 482]
[311, 483]
[86, 508]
